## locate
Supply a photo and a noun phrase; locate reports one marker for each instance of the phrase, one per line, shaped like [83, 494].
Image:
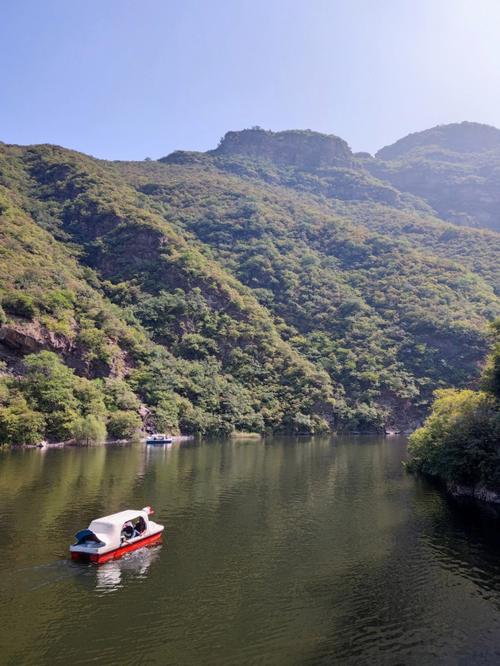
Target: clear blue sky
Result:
[126, 79]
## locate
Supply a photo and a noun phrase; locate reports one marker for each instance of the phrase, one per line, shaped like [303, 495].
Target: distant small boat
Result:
[112, 536]
[159, 438]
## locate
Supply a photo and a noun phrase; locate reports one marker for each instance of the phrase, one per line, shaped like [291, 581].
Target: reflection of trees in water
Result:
[429, 600]
[50, 495]
[20, 469]
[304, 548]
[200, 477]
[292, 519]
[465, 538]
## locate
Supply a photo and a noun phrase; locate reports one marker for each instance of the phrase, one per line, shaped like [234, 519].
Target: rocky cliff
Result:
[299, 148]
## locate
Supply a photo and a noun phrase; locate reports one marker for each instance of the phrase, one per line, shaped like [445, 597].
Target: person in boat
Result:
[140, 526]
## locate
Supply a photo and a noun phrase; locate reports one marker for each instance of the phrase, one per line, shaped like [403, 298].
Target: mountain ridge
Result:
[458, 137]
[449, 171]
[264, 294]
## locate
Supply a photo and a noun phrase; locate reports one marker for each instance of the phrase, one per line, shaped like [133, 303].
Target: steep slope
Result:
[218, 363]
[454, 168]
[389, 320]
[328, 168]
[477, 250]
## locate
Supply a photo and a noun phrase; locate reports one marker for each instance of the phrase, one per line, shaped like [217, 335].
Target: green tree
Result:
[166, 412]
[119, 395]
[124, 425]
[19, 424]
[491, 375]
[49, 386]
[89, 430]
[460, 440]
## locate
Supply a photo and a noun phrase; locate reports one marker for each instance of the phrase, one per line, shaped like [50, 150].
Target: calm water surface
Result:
[291, 551]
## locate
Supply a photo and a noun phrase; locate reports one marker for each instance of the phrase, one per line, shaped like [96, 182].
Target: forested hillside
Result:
[273, 283]
[454, 168]
[190, 341]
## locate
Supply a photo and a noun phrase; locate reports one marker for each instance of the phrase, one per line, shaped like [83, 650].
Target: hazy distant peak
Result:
[465, 137]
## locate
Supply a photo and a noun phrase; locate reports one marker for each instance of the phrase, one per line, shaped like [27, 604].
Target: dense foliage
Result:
[50, 402]
[388, 317]
[460, 440]
[189, 339]
[221, 291]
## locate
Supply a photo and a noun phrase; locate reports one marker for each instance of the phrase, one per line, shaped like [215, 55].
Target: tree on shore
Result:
[460, 440]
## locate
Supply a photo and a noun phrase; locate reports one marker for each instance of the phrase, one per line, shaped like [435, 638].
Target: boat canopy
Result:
[108, 529]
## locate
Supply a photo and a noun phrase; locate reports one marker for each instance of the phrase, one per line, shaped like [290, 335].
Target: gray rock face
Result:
[299, 148]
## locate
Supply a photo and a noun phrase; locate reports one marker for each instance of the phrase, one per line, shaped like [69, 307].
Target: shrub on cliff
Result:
[51, 402]
[49, 386]
[19, 304]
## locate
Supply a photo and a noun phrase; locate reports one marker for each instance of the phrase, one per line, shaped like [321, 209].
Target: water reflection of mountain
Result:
[72, 486]
[282, 551]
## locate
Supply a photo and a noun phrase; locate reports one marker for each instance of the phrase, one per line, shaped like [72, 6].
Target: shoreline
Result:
[237, 435]
[71, 443]
[478, 493]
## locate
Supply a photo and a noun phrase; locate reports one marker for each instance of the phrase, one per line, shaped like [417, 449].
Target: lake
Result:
[288, 551]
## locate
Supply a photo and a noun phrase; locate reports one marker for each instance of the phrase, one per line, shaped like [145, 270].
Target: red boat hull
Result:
[117, 552]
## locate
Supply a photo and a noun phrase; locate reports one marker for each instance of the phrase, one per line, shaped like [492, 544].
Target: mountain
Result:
[272, 283]
[458, 138]
[119, 294]
[454, 168]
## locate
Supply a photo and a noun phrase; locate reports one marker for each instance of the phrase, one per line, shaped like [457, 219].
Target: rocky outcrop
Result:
[19, 338]
[29, 337]
[184, 157]
[299, 148]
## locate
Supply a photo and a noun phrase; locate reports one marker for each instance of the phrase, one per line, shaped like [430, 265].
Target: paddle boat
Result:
[159, 438]
[110, 537]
